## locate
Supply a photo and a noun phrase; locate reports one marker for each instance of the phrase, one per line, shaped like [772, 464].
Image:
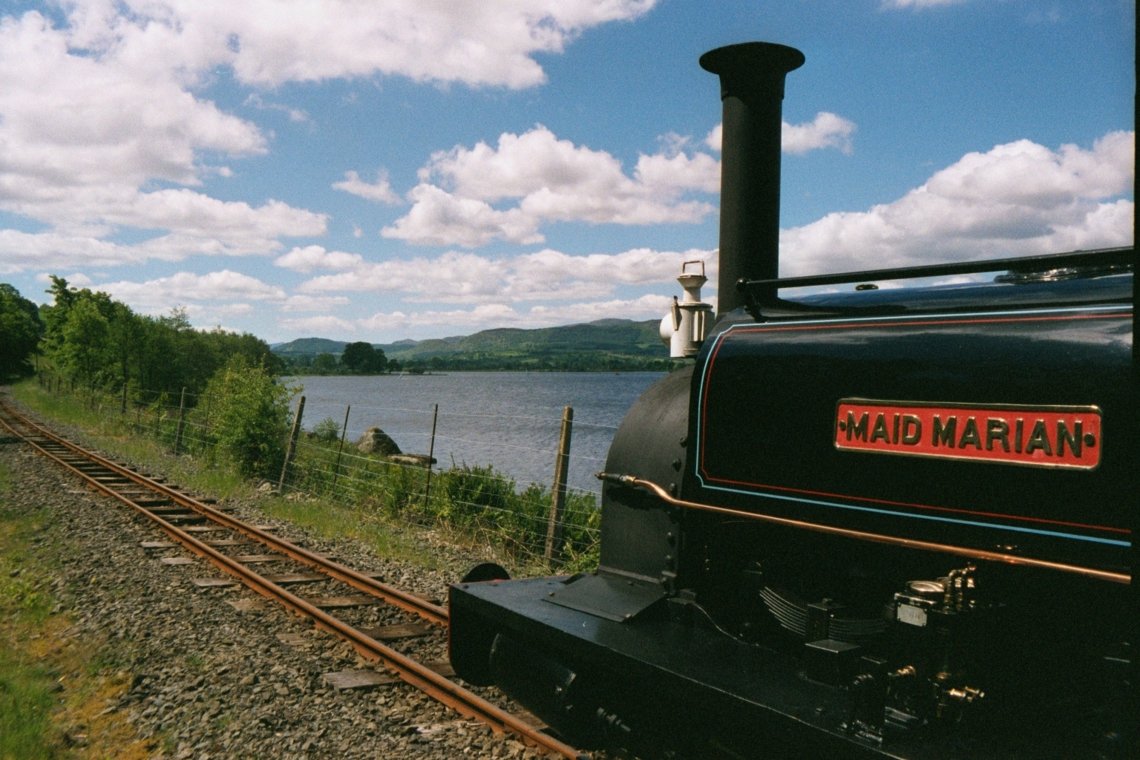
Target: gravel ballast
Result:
[208, 679]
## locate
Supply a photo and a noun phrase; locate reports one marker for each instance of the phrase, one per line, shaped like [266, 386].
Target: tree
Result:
[87, 335]
[20, 330]
[363, 359]
[84, 348]
[324, 364]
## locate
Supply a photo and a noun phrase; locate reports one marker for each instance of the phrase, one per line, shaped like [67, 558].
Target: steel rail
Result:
[881, 538]
[429, 611]
[438, 687]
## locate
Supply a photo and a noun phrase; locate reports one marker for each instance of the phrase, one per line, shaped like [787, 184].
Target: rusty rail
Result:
[438, 687]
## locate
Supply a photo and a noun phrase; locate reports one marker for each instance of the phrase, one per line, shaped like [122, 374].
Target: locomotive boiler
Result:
[876, 522]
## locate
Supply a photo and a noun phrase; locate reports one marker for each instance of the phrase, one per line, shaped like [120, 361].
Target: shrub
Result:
[250, 417]
[326, 431]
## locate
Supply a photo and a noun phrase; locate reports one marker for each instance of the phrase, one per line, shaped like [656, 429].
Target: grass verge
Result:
[384, 505]
[56, 691]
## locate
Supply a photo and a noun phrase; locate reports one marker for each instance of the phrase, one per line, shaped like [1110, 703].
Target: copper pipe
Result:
[879, 538]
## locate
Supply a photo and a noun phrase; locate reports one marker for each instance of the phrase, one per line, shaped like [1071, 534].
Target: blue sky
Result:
[422, 168]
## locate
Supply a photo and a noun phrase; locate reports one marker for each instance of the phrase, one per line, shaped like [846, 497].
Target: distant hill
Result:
[308, 347]
[604, 344]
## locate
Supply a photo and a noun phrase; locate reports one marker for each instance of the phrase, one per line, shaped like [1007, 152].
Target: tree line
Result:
[89, 340]
[358, 358]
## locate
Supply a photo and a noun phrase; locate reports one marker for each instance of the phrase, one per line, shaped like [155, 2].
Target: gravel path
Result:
[207, 679]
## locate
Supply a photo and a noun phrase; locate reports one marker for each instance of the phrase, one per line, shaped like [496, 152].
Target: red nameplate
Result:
[1045, 436]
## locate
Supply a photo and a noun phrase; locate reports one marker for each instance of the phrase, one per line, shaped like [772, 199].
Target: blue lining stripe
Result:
[932, 518]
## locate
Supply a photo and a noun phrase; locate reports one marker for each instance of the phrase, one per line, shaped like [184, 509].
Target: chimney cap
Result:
[748, 65]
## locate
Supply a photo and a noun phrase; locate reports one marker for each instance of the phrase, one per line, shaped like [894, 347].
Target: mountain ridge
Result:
[608, 343]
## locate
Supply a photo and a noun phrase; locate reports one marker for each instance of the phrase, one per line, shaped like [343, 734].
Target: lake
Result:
[509, 420]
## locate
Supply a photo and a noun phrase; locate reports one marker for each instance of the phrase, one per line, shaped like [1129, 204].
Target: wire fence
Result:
[518, 437]
[551, 523]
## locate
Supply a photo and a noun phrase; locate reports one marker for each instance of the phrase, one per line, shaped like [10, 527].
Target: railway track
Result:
[338, 599]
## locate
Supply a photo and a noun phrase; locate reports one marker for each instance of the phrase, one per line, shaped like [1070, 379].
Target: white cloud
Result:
[545, 275]
[25, 251]
[1016, 199]
[547, 179]
[85, 135]
[270, 42]
[438, 217]
[184, 212]
[313, 257]
[223, 291]
[380, 191]
[80, 120]
[457, 277]
[102, 111]
[679, 172]
[472, 196]
[826, 130]
[479, 318]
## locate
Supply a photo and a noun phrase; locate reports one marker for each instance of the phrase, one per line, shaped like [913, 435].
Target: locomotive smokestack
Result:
[752, 91]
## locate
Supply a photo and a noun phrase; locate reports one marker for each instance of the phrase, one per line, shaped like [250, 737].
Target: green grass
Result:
[26, 683]
[50, 681]
[107, 430]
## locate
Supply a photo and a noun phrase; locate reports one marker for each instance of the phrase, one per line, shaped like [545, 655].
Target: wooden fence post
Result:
[292, 442]
[431, 452]
[343, 432]
[558, 492]
[181, 420]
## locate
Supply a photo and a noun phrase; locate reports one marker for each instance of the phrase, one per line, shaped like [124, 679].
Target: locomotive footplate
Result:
[652, 684]
[660, 685]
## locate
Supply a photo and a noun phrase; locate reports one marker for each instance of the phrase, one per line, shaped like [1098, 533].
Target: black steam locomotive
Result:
[882, 522]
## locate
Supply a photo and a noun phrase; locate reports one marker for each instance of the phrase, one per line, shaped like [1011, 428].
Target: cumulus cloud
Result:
[86, 135]
[472, 196]
[105, 130]
[826, 130]
[541, 178]
[24, 251]
[271, 42]
[438, 217]
[77, 122]
[379, 191]
[312, 257]
[1017, 199]
[210, 286]
[545, 275]
[223, 292]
